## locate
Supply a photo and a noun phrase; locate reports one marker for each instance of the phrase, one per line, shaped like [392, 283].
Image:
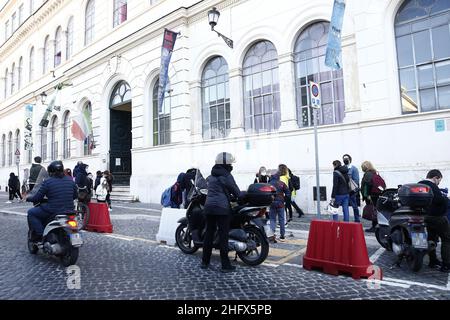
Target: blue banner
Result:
[333, 57]
[28, 127]
[166, 54]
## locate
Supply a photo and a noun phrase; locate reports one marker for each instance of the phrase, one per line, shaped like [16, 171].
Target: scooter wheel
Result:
[70, 257]
[415, 259]
[184, 239]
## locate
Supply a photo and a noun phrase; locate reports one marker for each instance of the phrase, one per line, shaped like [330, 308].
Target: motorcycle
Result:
[61, 238]
[248, 228]
[401, 227]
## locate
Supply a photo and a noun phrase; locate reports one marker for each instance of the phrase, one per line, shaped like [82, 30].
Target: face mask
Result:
[347, 161]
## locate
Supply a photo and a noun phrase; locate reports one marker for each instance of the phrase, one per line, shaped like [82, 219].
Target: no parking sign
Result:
[315, 95]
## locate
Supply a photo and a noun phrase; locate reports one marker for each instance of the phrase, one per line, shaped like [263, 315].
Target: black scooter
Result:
[401, 227]
[248, 229]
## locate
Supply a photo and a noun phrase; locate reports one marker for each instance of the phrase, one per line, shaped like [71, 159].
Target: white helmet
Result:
[225, 158]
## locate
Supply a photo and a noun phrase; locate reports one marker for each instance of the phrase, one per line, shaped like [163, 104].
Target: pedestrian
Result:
[82, 183]
[353, 174]
[35, 169]
[98, 177]
[217, 209]
[77, 168]
[68, 173]
[262, 176]
[109, 179]
[90, 183]
[26, 176]
[437, 221]
[295, 183]
[14, 188]
[285, 178]
[277, 208]
[340, 194]
[370, 192]
[42, 175]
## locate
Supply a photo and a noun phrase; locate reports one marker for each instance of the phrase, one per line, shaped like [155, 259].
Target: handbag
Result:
[369, 212]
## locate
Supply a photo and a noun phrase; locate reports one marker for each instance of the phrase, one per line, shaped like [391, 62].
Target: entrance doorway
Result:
[120, 134]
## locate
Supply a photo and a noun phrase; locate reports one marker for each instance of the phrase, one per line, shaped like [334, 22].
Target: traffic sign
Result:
[17, 153]
[316, 100]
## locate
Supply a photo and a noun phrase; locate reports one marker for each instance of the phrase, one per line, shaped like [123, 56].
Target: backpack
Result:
[377, 181]
[166, 202]
[295, 182]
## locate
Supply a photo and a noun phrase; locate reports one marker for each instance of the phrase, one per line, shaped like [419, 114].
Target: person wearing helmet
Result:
[221, 186]
[60, 192]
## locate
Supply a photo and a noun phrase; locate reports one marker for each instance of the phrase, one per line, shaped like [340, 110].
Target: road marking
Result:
[294, 265]
[142, 209]
[275, 252]
[119, 237]
[373, 258]
[388, 283]
[292, 255]
[420, 284]
[134, 217]
[14, 213]
[272, 265]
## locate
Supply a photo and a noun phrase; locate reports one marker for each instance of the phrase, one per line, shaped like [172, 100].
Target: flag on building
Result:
[28, 136]
[333, 57]
[166, 54]
[82, 125]
[50, 106]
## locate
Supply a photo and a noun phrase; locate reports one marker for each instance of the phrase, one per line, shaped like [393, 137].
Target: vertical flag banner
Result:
[50, 106]
[28, 136]
[166, 54]
[333, 57]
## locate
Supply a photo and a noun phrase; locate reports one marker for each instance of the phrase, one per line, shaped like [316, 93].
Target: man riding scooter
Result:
[59, 191]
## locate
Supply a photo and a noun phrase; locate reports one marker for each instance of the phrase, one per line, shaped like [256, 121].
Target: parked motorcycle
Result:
[248, 229]
[401, 227]
[61, 238]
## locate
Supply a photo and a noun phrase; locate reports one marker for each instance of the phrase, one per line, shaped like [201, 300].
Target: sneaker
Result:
[282, 239]
[435, 264]
[8, 202]
[228, 269]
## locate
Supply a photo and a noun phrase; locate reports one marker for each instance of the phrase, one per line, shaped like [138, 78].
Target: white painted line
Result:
[13, 213]
[142, 209]
[383, 282]
[420, 284]
[293, 265]
[270, 265]
[119, 237]
[373, 258]
[134, 217]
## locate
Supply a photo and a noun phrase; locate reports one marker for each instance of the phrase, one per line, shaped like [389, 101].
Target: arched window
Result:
[6, 83]
[58, 46]
[3, 150]
[13, 78]
[31, 65]
[309, 55]
[87, 144]
[161, 120]
[44, 143]
[422, 33]
[10, 148]
[120, 11]
[216, 99]
[17, 141]
[69, 40]
[89, 22]
[261, 88]
[20, 74]
[54, 138]
[46, 62]
[121, 94]
[66, 136]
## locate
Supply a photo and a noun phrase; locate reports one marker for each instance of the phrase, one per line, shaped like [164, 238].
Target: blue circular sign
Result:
[315, 90]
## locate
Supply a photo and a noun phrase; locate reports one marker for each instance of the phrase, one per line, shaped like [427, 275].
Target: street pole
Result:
[316, 142]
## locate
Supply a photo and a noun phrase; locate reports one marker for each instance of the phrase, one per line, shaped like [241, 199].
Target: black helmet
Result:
[55, 167]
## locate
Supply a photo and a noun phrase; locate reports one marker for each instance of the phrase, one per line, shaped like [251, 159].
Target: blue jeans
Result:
[342, 200]
[354, 205]
[274, 212]
[36, 219]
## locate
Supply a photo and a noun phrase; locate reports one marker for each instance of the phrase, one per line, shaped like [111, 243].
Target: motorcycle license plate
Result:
[419, 240]
[75, 239]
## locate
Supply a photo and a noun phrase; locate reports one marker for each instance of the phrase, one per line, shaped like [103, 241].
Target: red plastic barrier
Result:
[99, 220]
[338, 247]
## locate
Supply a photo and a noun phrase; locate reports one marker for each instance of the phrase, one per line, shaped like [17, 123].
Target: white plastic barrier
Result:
[168, 224]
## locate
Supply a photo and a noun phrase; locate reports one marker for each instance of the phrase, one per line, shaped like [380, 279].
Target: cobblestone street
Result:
[130, 264]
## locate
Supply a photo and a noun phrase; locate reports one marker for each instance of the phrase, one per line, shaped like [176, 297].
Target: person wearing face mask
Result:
[261, 176]
[354, 199]
[437, 221]
[221, 186]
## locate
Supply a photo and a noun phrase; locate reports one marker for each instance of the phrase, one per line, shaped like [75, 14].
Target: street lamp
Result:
[213, 17]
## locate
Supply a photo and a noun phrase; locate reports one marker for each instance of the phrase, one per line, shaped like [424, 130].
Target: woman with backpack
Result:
[371, 187]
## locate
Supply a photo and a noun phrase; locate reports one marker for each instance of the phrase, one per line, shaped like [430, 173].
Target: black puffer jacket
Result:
[340, 184]
[34, 172]
[220, 185]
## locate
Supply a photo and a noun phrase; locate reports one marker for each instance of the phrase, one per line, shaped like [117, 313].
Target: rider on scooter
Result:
[60, 191]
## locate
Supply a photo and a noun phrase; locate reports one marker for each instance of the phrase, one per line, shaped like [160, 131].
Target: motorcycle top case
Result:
[415, 195]
[260, 194]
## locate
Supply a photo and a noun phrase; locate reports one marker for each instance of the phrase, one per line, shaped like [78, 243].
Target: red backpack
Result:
[377, 183]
